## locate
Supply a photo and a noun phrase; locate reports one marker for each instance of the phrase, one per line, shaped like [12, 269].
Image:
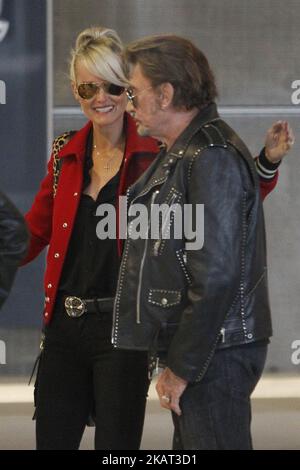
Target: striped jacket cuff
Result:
[264, 167]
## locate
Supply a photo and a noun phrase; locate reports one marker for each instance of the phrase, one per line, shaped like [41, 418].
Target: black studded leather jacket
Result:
[188, 299]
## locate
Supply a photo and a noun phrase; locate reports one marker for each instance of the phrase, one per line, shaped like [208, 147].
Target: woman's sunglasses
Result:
[88, 90]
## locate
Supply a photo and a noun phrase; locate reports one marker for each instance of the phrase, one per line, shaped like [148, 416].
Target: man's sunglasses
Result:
[88, 90]
[132, 98]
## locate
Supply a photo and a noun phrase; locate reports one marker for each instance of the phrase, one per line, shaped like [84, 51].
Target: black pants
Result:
[80, 371]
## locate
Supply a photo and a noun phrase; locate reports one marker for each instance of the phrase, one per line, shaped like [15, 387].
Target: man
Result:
[13, 244]
[205, 309]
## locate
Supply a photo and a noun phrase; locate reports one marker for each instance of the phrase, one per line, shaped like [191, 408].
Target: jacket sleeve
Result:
[216, 182]
[267, 172]
[39, 217]
[13, 244]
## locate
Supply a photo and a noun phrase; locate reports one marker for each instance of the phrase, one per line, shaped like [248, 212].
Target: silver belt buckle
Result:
[75, 307]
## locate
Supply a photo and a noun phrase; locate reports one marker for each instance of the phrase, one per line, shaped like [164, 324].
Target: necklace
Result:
[108, 165]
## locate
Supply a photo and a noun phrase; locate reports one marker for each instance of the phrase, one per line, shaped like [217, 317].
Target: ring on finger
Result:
[166, 398]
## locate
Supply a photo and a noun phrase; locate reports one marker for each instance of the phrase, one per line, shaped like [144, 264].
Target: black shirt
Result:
[91, 266]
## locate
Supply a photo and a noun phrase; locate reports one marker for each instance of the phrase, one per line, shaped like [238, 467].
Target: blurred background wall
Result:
[23, 133]
[253, 47]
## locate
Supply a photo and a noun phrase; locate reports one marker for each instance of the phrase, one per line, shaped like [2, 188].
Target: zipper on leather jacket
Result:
[157, 182]
[157, 244]
[138, 299]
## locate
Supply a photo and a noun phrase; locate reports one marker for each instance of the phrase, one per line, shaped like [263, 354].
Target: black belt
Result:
[75, 306]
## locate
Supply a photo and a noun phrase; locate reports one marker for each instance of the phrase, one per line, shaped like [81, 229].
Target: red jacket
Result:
[50, 220]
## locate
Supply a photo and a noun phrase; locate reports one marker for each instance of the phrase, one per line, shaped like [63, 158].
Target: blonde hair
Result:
[100, 50]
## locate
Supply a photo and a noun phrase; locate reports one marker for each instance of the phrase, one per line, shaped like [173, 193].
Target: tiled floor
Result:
[276, 417]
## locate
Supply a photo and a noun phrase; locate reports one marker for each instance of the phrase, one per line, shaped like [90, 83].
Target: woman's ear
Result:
[166, 94]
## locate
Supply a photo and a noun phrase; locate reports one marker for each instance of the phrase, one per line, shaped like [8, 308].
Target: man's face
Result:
[145, 104]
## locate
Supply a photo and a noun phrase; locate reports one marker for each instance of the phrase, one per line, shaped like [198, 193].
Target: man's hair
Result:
[173, 59]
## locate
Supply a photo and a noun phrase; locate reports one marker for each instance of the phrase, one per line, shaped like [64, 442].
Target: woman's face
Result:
[102, 109]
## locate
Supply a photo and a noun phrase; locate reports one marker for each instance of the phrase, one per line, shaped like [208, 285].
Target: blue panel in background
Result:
[23, 134]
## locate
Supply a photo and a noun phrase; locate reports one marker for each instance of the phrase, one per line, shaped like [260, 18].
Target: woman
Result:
[79, 372]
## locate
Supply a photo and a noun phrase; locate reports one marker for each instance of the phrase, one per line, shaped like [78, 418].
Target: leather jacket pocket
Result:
[164, 298]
